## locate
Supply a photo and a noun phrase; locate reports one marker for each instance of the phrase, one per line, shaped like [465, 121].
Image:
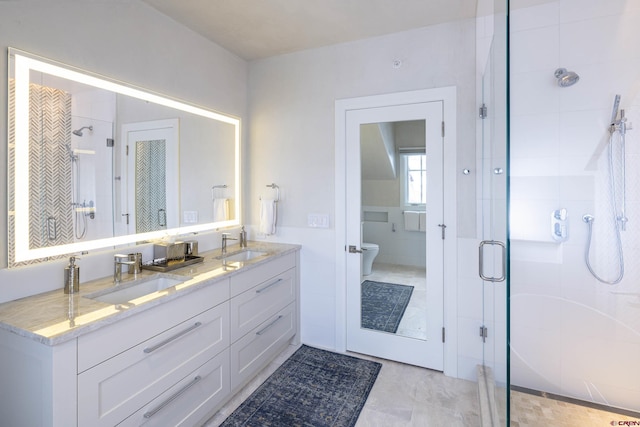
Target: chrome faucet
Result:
[225, 237]
[118, 261]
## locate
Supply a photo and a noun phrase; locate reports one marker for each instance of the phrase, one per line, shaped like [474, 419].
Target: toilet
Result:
[369, 253]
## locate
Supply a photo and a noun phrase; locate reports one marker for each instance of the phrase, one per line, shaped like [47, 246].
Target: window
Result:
[414, 173]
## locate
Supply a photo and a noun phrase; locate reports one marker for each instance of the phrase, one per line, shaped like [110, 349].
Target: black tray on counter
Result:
[163, 265]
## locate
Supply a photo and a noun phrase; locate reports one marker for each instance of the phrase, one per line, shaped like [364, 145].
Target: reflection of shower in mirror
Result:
[78, 132]
[84, 209]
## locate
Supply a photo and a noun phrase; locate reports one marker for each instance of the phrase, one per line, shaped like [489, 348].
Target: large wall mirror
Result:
[95, 163]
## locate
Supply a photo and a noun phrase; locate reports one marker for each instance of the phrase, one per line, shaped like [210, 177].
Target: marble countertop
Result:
[55, 317]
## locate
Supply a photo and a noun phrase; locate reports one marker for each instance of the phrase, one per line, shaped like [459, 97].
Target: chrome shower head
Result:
[566, 78]
[78, 132]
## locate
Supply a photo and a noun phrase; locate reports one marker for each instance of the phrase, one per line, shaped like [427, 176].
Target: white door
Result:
[151, 185]
[428, 352]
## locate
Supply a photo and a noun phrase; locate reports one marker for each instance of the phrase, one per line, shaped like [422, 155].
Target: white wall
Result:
[292, 115]
[128, 41]
[292, 137]
[571, 334]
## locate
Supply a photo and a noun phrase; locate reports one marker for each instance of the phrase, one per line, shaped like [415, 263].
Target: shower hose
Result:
[619, 220]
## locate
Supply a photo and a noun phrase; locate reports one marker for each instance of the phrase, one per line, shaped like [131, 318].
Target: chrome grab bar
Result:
[154, 411]
[171, 338]
[481, 261]
[264, 288]
[263, 330]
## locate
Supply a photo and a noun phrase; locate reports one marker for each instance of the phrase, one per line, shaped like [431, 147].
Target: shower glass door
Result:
[493, 244]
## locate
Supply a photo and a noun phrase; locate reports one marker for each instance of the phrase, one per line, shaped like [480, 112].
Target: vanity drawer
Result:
[98, 346]
[253, 351]
[256, 305]
[190, 400]
[257, 275]
[118, 387]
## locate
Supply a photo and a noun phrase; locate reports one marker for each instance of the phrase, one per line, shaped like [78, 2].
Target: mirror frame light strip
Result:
[23, 64]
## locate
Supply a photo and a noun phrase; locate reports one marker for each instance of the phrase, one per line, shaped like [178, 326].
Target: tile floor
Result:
[535, 411]
[408, 396]
[414, 321]
[403, 395]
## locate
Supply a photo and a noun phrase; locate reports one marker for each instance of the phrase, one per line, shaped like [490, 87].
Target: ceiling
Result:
[254, 29]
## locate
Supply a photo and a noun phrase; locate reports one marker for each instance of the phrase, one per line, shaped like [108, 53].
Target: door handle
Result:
[162, 217]
[503, 248]
[354, 250]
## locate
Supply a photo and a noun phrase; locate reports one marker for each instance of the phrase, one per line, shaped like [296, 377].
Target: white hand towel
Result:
[423, 221]
[220, 210]
[411, 221]
[268, 216]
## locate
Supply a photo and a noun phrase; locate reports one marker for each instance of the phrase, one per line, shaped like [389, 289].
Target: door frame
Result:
[448, 96]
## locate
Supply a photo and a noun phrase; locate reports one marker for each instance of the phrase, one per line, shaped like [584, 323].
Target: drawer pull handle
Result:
[263, 330]
[171, 338]
[154, 411]
[264, 288]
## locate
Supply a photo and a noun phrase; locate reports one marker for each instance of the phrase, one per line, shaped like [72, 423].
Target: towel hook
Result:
[275, 187]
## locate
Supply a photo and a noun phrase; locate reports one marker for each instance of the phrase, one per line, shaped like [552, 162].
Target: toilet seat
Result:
[369, 246]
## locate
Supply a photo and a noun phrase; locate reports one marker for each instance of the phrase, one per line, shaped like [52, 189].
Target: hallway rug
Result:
[383, 305]
[312, 388]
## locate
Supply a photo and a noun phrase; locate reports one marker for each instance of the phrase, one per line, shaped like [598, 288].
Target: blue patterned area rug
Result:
[312, 388]
[383, 305]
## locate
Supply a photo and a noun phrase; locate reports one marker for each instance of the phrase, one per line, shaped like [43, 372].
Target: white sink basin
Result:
[127, 292]
[243, 255]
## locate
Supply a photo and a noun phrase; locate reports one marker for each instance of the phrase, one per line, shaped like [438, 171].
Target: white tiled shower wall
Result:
[571, 334]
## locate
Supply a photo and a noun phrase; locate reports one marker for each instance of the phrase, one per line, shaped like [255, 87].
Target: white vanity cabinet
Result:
[164, 360]
[263, 316]
[174, 364]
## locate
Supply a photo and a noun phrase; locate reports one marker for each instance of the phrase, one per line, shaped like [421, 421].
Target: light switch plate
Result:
[190, 217]
[318, 220]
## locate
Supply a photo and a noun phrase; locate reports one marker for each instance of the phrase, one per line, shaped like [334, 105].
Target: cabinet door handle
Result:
[264, 288]
[171, 338]
[177, 394]
[263, 330]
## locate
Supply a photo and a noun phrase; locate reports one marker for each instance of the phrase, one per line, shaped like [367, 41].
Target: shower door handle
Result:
[503, 249]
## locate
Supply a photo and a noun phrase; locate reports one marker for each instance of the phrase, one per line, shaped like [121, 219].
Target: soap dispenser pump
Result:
[71, 277]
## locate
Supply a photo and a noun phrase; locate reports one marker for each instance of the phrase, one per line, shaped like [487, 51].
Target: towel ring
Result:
[213, 190]
[275, 187]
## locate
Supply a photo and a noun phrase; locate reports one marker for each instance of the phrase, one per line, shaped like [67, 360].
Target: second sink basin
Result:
[129, 291]
[243, 255]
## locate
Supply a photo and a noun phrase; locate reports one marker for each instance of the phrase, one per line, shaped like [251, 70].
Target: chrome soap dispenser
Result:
[71, 277]
[243, 238]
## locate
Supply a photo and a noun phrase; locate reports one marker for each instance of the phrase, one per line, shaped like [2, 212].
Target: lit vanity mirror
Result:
[94, 163]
